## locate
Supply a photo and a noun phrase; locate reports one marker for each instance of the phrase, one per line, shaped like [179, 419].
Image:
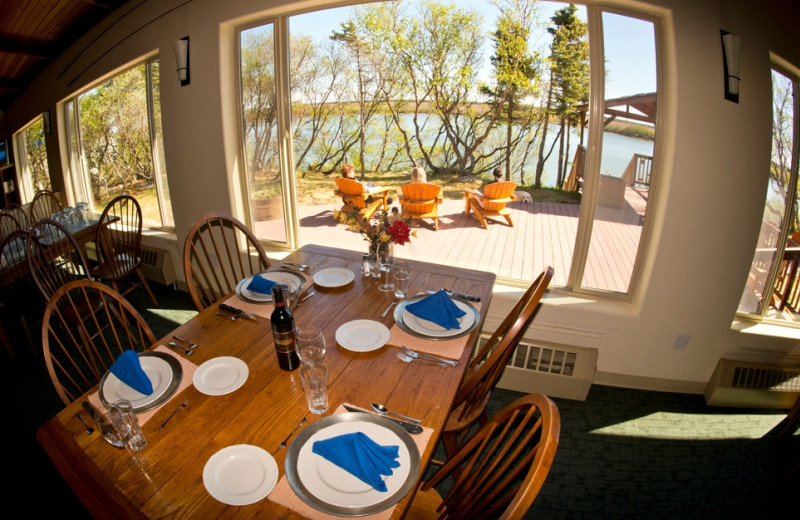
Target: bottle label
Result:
[284, 341]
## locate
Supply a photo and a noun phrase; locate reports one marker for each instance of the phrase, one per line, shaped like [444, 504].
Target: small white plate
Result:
[334, 277]
[240, 474]
[282, 277]
[157, 371]
[430, 328]
[220, 376]
[362, 335]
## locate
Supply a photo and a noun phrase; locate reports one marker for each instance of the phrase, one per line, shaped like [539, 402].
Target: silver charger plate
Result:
[401, 307]
[295, 482]
[268, 298]
[177, 375]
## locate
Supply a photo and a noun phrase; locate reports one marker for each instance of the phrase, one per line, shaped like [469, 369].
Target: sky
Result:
[629, 43]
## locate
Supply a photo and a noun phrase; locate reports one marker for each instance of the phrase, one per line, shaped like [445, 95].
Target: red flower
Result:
[400, 232]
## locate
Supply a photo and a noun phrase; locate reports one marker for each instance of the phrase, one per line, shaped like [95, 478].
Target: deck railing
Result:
[637, 173]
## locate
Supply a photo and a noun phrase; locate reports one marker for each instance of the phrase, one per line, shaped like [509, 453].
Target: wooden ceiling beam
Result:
[39, 52]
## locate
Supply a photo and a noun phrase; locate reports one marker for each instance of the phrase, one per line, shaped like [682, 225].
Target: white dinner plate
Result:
[240, 474]
[362, 335]
[295, 282]
[336, 486]
[430, 328]
[157, 370]
[220, 375]
[334, 277]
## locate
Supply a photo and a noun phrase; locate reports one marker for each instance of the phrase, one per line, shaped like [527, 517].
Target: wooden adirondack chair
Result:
[492, 202]
[421, 200]
[355, 195]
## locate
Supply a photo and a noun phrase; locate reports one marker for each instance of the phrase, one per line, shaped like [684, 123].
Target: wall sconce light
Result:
[181, 48]
[730, 53]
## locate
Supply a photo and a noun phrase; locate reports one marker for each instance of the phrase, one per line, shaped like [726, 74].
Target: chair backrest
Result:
[8, 224]
[499, 470]
[421, 197]
[54, 257]
[497, 194]
[18, 291]
[44, 204]
[219, 251]
[20, 214]
[119, 242]
[488, 364]
[352, 191]
[86, 326]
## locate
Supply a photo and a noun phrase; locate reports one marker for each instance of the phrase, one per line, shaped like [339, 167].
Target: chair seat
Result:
[120, 267]
[424, 505]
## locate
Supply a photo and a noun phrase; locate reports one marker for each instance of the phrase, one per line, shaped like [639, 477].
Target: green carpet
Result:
[622, 453]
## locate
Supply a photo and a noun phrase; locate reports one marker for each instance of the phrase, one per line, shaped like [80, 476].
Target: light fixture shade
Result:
[181, 48]
[730, 51]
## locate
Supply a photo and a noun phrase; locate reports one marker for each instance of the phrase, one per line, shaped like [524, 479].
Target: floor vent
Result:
[751, 385]
[157, 265]
[554, 370]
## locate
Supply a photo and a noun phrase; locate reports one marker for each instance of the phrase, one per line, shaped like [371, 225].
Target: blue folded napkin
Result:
[438, 308]
[360, 456]
[128, 369]
[259, 284]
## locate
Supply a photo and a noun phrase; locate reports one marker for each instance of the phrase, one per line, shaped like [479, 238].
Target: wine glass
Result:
[309, 344]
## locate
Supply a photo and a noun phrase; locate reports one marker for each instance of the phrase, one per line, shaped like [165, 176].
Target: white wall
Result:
[707, 206]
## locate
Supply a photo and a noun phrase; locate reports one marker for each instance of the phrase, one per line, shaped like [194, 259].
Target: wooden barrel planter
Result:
[270, 208]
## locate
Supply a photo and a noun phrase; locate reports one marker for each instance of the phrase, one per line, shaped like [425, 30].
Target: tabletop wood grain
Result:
[269, 404]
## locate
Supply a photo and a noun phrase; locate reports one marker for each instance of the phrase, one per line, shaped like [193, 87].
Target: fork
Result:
[304, 298]
[409, 359]
[418, 355]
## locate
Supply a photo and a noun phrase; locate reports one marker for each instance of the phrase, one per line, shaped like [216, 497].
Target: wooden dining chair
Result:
[81, 339]
[356, 197]
[486, 367]
[44, 204]
[8, 224]
[20, 214]
[219, 251]
[499, 470]
[54, 257]
[491, 202]
[119, 245]
[21, 303]
[421, 200]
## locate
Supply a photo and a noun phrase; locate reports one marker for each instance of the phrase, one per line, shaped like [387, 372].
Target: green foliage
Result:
[36, 155]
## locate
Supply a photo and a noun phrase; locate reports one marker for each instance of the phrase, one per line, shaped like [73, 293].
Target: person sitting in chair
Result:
[497, 176]
[418, 174]
[349, 172]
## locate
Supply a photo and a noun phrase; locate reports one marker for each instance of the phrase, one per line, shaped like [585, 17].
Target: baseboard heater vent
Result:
[554, 370]
[157, 265]
[752, 385]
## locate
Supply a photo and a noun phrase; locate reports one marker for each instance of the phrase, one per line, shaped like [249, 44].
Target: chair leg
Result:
[147, 286]
[508, 219]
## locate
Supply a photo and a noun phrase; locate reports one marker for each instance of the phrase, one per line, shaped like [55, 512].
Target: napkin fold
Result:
[259, 284]
[128, 369]
[360, 456]
[438, 308]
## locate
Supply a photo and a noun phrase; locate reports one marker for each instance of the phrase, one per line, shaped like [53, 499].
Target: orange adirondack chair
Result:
[492, 202]
[421, 200]
[355, 197]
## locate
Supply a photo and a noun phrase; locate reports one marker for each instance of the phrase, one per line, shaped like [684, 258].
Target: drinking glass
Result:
[314, 378]
[310, 344]
[402, 276]
[117, 432]
[387, 264]
[83, 211]
[124, 419]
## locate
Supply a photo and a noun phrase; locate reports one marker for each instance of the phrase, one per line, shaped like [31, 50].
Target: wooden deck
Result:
[543, 234]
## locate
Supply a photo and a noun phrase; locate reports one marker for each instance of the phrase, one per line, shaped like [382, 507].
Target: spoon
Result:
[89, 429]
[409, 359]
[184, 350]
[187, 343]
[233, 318]
[384, 411]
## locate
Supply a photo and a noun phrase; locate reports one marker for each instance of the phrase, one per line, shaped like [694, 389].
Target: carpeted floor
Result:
[622, 453]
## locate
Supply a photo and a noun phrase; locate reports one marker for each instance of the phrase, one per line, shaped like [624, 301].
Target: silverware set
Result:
[179, 348]
[291, 266]
[188, 343]
[421, 355]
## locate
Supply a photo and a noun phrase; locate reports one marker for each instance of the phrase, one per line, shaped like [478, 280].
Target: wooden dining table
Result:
[271, 402]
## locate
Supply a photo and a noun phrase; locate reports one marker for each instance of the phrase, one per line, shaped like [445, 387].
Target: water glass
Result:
[314, 378]
[127, 424]
[386, 267]
[290, 293]
[310, 344]
[402, 277]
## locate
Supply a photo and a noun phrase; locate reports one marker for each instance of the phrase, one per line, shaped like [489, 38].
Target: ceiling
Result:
[34, 32]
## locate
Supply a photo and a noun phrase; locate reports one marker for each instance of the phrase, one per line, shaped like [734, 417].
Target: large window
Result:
[772, 289]
[116, 146]
[462, 88]
[31, 153]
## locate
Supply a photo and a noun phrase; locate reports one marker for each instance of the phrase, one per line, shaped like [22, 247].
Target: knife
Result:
[409, 427]
[238, 312]
[459, 295]
[93, 413]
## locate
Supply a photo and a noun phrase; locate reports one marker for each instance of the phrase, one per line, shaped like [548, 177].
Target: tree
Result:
[569, 78]
[515, 68]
